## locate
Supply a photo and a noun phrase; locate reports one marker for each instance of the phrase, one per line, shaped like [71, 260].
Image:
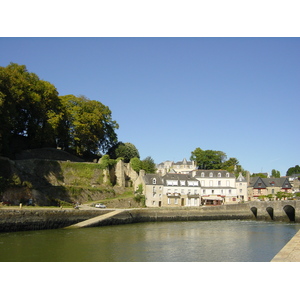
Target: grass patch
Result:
[82, 174]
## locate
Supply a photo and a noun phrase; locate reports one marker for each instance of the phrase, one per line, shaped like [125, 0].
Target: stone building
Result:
[217, 186]
[170, 190]
[180, 167]
[241, 188]
[196, 188]
[295, 182]
[259, 187]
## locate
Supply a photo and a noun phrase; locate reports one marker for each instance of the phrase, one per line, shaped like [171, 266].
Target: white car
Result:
[99, 205]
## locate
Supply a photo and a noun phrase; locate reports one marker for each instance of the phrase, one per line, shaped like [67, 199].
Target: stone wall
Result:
[26, 219]
[125, 175]
[21, 219]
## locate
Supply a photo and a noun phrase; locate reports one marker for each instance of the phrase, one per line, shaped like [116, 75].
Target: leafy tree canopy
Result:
[261, 175]
[146, 164]
[208, 159]
[90, 125]
[214, 160]
[127, 151]
[34, 116]
[29, 108]
[136, 164]
[275, 173]
[293, 170]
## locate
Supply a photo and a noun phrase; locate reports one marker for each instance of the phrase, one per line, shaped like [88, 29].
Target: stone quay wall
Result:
[34, 219]
[22, 220]
[31, 219]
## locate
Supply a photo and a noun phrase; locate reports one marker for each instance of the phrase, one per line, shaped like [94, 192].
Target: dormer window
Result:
[210, 174]
[202, 174]
[154, 181]
[227, 174]
[219, 174]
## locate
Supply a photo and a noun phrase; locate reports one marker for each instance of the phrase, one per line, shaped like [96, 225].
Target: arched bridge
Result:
[276, 210]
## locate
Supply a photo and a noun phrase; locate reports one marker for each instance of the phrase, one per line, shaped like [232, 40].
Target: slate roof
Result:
[215, 173]
[148, 178]
[162, 180]
[183, 162]
[178, 176]
[269, 182]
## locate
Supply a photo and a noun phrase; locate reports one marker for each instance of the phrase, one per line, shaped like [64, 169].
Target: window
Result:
[202, 174]
[210, 174]
[169, 201]
[241, 190]
[204, 192]
[219, 183]
[227, 174]
[229, 191]
[219, 174]
[210, 183]
[212, 191]
[154, 181]
[176, 200]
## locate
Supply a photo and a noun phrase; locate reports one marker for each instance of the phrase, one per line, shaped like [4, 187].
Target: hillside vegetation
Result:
[50, 182]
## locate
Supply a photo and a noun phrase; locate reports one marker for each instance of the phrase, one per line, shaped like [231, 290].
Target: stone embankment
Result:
[290, 252]
[33, 219]
[26, 219]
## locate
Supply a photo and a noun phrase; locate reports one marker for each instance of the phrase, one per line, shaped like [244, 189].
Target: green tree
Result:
[208, 159]
[29, 108]
[275, 173]
[231, 165]
[281, 195]
[136, 164]
[91, 128]
[261, 175]
[293, 170]
[127, 151]
[148, 165]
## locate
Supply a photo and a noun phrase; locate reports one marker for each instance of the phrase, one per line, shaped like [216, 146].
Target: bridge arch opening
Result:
[290, 212]
[254, 211]
[270, 211]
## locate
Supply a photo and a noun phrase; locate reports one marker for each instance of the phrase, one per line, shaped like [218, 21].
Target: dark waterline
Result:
[193, 241]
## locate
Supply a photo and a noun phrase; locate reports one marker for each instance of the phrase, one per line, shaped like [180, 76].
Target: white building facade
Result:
[217, 186]
[199, 187]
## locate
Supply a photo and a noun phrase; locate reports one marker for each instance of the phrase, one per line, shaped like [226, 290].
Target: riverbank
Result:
[52, 218]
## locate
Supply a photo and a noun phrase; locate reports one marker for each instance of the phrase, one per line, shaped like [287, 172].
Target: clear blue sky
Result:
[171, 95]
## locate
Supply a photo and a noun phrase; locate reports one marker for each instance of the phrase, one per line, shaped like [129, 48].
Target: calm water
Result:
[205, 241]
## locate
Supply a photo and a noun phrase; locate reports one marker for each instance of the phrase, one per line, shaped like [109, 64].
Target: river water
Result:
[193, 241]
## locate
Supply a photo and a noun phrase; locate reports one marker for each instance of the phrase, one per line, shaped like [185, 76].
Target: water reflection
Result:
[206, 241]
